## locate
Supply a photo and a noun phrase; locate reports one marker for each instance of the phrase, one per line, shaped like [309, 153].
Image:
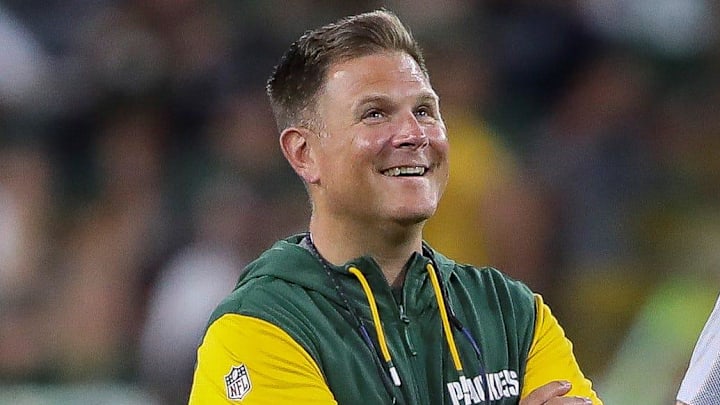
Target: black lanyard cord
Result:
[360, 324]
[459, 326]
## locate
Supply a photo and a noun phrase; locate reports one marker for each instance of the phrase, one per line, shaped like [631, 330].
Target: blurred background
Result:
[140, 172]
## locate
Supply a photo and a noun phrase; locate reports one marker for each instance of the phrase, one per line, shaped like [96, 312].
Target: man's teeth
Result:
[405, 171]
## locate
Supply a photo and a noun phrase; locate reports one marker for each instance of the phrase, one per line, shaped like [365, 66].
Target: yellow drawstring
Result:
[378, 326]
[444, 317]
[381, 334]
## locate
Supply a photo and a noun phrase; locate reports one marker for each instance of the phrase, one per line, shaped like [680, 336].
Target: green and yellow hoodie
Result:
[297, 330]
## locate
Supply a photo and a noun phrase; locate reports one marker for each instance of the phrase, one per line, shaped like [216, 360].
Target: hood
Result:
[291, 261]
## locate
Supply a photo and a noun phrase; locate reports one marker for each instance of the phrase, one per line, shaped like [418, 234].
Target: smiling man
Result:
[359, 310]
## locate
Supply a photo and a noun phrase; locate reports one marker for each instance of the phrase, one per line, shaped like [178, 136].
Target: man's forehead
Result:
[400, 58]
[377, 71]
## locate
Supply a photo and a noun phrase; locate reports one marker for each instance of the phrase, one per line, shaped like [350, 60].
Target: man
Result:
[360, 310]
[701, 384]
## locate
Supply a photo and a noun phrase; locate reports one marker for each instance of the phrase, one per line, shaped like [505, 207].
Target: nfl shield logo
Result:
[237, 382]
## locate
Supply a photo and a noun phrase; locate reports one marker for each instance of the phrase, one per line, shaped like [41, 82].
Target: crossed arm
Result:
[553, 376]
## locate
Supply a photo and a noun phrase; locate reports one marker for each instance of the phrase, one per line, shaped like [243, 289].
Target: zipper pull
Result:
[406, 331]
[403, 317]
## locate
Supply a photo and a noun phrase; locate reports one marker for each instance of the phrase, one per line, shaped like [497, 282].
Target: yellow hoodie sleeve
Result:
[250, 361]
[551, 357]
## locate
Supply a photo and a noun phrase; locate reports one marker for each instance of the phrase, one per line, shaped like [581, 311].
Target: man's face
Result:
[382, 151]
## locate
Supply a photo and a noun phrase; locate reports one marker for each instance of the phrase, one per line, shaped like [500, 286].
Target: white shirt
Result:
[701, 384]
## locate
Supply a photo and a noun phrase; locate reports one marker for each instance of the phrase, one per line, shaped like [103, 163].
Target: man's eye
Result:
[373, 114]
[424, 112]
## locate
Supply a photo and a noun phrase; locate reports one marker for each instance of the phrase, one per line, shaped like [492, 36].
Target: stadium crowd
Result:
[140, 170]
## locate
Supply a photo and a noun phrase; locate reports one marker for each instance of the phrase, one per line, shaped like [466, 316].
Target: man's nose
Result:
[410, 133]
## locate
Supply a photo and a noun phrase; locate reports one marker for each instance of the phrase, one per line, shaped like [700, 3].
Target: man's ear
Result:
[298, 152]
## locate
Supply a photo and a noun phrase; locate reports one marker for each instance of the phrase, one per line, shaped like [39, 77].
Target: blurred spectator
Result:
[24, 66]
[109, 246]
[536, 47]
[675, 29]
[25, 201]
[25, 225]
[594, 168]
[590, 158]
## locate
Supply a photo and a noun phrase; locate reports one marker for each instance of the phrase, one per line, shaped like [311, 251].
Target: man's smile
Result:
[405, 171]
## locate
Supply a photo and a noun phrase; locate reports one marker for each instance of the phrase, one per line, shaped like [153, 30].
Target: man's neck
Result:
[390, 246]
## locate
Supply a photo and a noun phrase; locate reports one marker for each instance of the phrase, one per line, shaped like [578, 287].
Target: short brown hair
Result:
[297, 80]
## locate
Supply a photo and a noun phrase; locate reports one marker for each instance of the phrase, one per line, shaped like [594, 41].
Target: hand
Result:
[552, 394]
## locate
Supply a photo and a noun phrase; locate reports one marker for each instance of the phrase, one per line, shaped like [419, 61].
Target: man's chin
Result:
[411, 218]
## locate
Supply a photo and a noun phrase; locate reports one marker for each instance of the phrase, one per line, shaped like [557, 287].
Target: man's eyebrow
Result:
[372, 99]
[382, 98]
[429, 96]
